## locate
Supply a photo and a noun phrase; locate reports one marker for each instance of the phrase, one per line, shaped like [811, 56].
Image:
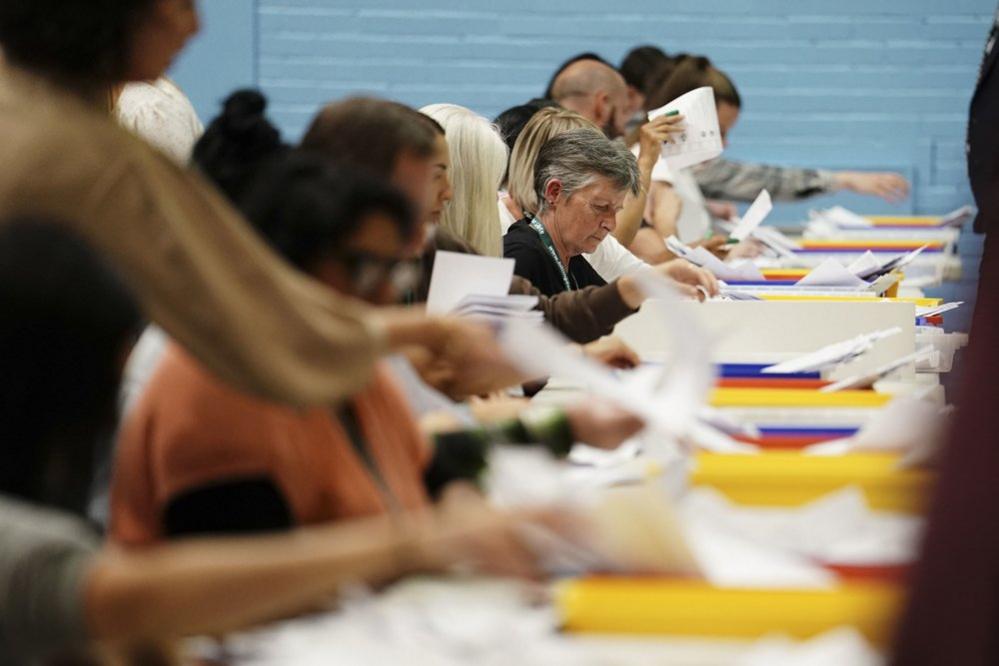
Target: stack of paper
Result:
[472, 285]
[498, 308]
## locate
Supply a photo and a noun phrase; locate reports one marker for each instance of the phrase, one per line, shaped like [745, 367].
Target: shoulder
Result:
[26, 528]
[521, 238]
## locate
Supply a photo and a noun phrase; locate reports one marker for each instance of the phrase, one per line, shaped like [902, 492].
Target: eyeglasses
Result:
[369, 272]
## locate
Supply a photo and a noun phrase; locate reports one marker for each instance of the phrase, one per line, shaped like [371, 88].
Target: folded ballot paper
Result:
[701, 139]
[744, 271]
[832, 355]
[472, 285]
[755, 214]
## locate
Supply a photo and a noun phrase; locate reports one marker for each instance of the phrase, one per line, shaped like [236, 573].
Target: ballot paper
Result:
[831, 273]
[865, 264]
[744, 271]
[701, 139]
[867, 379]
[832, 355]
[839, 528]
[834, 648]
[905, 424]
[958, 217]
[935, 311]
[842, 218]
[754, 217]
[894, 264]
[457, 276]
[668, 397]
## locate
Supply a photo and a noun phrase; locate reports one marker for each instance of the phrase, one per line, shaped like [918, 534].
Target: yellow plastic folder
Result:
[792, 478]
[668, 607]
[811, 398]
[921, 302]
[905, 220]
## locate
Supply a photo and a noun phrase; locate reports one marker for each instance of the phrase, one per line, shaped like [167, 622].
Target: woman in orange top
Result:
[196, 456]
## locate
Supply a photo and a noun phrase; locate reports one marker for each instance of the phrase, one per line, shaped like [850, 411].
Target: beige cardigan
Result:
[196, 267]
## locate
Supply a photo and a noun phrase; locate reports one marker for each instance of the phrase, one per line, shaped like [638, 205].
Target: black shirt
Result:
[534, 263]
[983, 137]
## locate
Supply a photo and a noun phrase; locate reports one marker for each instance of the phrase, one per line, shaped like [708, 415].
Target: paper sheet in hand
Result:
[834, 354]
[701, 140]
[459, 275]
[754, 216]
[938, 310]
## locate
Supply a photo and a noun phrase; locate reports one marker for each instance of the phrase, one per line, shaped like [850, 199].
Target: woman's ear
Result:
[552, 191]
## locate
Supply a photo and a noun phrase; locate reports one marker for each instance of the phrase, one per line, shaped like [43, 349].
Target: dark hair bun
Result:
[243, 114]
[238, 142]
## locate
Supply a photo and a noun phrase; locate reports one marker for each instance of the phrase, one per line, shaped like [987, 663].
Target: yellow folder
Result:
[669, 607]
[782, 397]
[792, 478]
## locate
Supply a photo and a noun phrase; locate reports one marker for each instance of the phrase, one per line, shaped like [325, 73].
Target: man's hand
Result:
[889, 186]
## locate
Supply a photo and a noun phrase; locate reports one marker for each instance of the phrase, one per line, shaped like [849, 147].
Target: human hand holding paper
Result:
[701, 141]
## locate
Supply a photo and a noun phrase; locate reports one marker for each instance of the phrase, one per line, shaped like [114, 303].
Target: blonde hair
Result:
[478, 160]
[544, 125]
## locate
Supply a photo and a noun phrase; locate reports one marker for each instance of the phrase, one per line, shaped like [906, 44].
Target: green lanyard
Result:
[546, 240]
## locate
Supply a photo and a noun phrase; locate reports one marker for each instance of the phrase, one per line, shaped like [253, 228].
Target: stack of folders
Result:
[499, 308]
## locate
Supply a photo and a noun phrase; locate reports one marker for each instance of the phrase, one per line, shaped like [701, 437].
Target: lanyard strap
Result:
[546, 240]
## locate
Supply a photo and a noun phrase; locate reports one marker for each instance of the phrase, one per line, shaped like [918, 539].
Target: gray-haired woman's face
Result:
[588, 215]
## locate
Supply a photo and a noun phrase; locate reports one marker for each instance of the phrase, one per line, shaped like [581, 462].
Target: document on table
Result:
[457, 276]
[754, 217]
[701, 139]
[831, 273]
[742, 272]
[842, 218]
[834, 354]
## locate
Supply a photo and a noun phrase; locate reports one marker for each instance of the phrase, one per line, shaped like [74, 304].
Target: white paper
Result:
[701, 139]
[957, 217]
[831, 273]
[459, 275]
[840, 647]
[865, 264]
[834, 354]
[843, 218]
[742, 272]
[905, 424]
[938, 309]
[754, 216]
[867, 380]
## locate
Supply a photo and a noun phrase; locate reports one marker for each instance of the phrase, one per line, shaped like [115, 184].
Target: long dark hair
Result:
[67, 323]
[71, 41]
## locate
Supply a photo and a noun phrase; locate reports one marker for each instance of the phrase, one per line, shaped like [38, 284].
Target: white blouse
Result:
[160, 113]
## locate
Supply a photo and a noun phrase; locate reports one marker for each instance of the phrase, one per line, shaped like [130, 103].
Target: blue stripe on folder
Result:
[755, 370]
[800, 431]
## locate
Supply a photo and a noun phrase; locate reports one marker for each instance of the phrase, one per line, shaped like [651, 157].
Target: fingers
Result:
[690, 292]
[663, 128]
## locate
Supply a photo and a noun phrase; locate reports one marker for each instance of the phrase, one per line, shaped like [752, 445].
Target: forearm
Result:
[740, 181]
[629, 219]
[214, 586]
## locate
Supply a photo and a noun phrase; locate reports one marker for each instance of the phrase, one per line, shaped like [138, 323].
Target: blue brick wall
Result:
[876, 84]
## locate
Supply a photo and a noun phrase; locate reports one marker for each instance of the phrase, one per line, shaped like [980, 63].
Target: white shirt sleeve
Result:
[613, 260]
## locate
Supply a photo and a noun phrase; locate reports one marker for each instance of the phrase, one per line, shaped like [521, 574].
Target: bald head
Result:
[597, 92]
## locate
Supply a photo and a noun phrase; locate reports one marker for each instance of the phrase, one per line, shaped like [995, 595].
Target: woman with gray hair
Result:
[581, 179]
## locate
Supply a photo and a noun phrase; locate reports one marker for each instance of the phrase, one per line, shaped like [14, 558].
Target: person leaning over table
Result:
[581, 180]
[196, 268]
[68, 321]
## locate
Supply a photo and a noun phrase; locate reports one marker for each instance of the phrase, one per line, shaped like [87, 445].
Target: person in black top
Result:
[581, 179]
